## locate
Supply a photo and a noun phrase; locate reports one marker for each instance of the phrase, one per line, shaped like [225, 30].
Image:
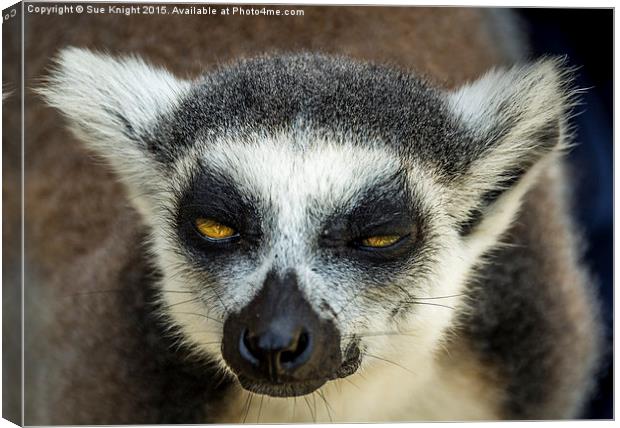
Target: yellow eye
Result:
[214, 229]
[380, 241]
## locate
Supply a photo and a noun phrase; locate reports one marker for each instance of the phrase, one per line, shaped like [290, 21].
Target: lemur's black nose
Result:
[278, 338]
[279, 349]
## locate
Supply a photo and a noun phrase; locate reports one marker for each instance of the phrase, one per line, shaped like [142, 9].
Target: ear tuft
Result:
[112, 103]
[527, 101]
[517, 118]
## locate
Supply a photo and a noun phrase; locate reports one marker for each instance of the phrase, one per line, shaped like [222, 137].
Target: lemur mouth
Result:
[349, 366]
[352, 359]
[287, 389]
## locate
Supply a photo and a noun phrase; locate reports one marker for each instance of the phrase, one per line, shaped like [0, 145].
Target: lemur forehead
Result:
[335, 94]
[294, 165]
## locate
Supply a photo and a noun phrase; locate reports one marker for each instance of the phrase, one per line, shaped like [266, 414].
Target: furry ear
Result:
[113, 104]
[517, 118]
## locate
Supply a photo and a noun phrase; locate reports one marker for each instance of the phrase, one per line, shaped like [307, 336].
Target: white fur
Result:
[93, 90]
[536, 91]
[536, 95]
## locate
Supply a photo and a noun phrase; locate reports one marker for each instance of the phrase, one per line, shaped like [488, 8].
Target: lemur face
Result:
[302, 246]
[314, 216]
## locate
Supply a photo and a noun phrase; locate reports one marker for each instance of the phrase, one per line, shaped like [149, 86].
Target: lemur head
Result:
[306, 210]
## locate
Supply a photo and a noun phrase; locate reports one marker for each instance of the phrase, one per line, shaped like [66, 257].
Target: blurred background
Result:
[586, 37]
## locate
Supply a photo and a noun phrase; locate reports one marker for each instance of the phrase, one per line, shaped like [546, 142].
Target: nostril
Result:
[249, 349]
[274, 351]
[292, 355]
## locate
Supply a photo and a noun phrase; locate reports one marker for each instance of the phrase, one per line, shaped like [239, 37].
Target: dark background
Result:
[586, 37]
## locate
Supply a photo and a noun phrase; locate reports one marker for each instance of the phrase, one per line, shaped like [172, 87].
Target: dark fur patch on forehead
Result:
[333, 94]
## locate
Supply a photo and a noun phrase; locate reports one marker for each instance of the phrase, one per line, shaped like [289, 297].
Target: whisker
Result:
[309, 408]
[260, 408]
[327, 406]
[220, 299]
[411, 333]
[176, 291]
[245, 406]
[314, 400]
[352, 383]
[347, 304]
[439, 297]
[195, 299]
[389, 361]
[199, 315]
[208, 343]
[407, 293]
[431, 304]
[248, 408]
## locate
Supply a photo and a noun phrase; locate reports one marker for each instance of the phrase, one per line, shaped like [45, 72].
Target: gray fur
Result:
[517, 323]
[335, 95]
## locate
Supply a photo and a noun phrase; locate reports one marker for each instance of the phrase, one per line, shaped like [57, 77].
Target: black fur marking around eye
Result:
[383, 209]
[214, 195]
[388, 208]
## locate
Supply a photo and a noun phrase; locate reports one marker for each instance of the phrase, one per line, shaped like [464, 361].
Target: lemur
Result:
[342, 232]
[303, 235]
